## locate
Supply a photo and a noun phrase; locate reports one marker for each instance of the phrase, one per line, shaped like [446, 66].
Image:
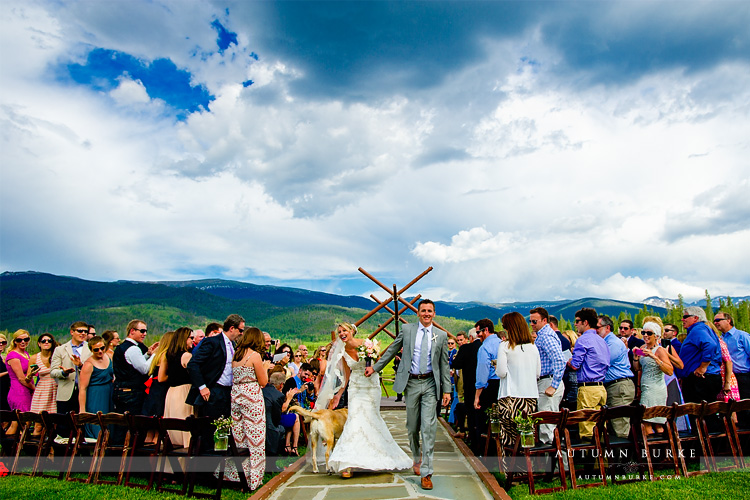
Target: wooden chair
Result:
[112, 464]
[194, 459]
[140, 426]
[692, 437]
[619, 448]
[57, 452]
[573, 443]
[515, 472]
[740, 426]
[9, 442]
[26, 423]
[663, 439]
[721, 410]
[80, 420]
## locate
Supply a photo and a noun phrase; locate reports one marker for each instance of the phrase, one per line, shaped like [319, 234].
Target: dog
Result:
[326, 425]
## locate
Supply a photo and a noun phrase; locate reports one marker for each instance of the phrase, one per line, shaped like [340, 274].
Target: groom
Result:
[422, 376]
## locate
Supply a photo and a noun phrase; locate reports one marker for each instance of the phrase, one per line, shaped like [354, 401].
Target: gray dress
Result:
[653, 387]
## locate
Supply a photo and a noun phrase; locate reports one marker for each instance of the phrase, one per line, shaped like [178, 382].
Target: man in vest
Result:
[131, 361]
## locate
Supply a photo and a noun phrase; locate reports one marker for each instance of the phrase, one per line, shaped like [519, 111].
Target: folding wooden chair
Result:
[739, 426]
[623, 454]
[720, 410]
[693, 437]
[58, 453]
[115, 463]
[549, 452]
[9, 442]
[141, 451]
[80, 420]
[26, 423]
[573, 443]
[194, 459]
[663, 439]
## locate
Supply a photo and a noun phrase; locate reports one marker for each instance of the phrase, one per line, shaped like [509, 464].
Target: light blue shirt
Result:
[738, 343]
[485, 357]
[416, 357]
[619, 363]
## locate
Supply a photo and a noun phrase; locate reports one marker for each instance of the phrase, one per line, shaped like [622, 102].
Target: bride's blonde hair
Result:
[349, 326]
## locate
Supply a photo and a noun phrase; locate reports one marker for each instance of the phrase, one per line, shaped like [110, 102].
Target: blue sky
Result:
[525, 150]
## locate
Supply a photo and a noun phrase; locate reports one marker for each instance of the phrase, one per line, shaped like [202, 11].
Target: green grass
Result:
[46, 488]
[714, 486]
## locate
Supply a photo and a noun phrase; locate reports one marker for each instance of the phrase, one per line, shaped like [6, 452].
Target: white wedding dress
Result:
[366, 443]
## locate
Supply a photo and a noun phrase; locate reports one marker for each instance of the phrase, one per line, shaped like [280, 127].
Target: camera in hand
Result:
[665, 343]
[309, 386]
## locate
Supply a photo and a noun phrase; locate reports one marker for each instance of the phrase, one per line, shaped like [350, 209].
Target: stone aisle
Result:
[453, 478]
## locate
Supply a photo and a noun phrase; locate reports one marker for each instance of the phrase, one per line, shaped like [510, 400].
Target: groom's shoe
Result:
[427, 482]
[416, 468]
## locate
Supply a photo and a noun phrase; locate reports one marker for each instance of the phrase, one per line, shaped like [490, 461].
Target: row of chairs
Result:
[160, 461]
[714, 430]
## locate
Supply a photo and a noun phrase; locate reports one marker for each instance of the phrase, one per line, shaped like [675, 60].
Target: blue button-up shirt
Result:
[738, 343]
[619, 363]
[700, 345]
[550, 352]
[590, 357]
[487, 353]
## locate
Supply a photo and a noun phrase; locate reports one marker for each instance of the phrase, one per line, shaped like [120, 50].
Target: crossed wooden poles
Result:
[395, 296]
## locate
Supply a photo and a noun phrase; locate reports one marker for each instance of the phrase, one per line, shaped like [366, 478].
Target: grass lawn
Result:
[724, 485]
[47, 488]
[714, 486]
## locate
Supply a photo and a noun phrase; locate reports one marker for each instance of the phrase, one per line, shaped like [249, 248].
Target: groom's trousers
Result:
[421, 420]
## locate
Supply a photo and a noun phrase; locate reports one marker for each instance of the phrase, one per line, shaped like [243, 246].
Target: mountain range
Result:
[49, 302]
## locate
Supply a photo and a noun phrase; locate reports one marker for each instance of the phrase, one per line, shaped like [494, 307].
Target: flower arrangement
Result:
[222, 424]
[527, 423]
[369, 350]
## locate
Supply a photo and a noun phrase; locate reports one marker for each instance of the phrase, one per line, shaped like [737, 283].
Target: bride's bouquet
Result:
[369, 351]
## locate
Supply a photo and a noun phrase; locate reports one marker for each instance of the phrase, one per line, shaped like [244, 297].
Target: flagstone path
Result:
[453, 478]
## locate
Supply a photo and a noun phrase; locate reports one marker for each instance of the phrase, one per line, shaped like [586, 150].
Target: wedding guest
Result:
[96, 383]
[296, 362]
[67, 361]
[275, 405]
[652, 360]
[21, 374]
[249, 374]
[518, 366]
[111, 340]
[174, 376]
[131, 363]
[4, 381]
[156, 392]
[45, 394]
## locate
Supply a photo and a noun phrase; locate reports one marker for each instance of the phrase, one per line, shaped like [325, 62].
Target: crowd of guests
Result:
[227, 370]
[231, 370]
[533, 366]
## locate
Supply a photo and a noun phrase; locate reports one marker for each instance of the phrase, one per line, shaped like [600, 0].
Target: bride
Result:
[365, 443]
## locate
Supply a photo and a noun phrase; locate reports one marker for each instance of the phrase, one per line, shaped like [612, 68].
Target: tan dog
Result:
[326, 424]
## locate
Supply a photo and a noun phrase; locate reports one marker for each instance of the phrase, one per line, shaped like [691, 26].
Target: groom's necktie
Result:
[424, 351]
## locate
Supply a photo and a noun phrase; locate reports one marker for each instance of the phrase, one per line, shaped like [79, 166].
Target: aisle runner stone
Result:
[453, 478]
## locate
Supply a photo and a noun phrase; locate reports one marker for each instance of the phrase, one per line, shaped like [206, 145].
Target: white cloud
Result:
[512, 181]
[129, 92]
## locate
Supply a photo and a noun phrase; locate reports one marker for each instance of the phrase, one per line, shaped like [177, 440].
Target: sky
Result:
[523, 150]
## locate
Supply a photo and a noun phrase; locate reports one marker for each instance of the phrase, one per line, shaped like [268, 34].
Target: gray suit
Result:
[422, 395]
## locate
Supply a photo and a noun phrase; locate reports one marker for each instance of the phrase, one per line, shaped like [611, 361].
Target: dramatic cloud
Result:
[525, 150]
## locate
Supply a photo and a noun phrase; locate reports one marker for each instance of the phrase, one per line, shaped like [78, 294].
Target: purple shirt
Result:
[590, 357]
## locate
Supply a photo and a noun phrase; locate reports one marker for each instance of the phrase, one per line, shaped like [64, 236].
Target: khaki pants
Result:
[621, 393]
[591, 397]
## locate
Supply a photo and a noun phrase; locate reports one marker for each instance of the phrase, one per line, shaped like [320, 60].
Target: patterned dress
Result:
[248, 426]
[734, 389]
[653, 387]
[45, 394]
